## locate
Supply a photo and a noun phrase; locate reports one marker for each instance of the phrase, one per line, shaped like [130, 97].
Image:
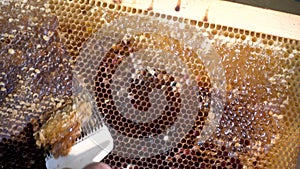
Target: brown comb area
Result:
[35, 76]
[259, 127]
[139, 90]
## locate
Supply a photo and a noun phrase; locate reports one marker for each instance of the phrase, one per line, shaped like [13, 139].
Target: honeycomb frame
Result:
[283, 53]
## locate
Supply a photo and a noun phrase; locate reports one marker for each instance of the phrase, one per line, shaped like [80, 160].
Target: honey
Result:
[175, 93]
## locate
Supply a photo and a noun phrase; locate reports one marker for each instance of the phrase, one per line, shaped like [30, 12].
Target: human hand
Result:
[97, 166]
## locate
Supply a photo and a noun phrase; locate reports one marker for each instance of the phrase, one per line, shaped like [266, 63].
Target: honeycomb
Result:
[67, 120]
[37, 91]
[174, 92]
